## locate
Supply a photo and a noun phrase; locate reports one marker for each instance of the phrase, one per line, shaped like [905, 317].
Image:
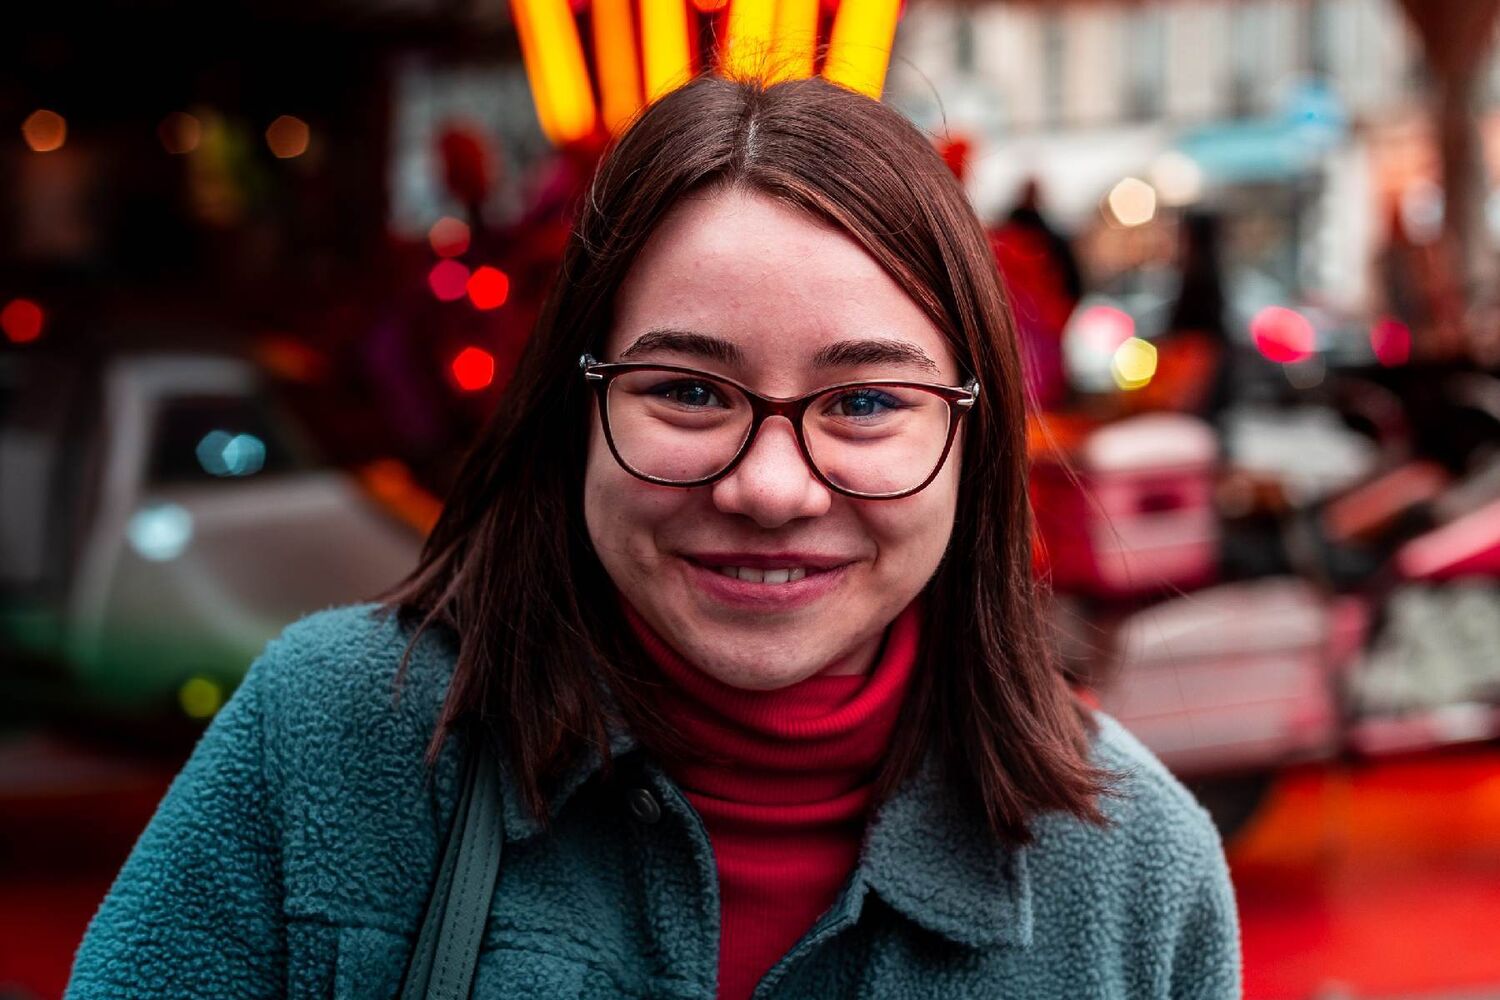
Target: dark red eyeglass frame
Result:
[600, 374]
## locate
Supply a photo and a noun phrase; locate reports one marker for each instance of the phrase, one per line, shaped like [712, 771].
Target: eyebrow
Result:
[843, 353]
[685, 342]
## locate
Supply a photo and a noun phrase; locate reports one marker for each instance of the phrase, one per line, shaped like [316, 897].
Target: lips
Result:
[782, 582]
[813, 562]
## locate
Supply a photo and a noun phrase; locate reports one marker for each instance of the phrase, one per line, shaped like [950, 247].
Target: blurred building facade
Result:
[1320, 105]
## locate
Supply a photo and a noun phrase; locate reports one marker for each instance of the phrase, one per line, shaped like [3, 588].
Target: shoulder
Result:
[1158, 853]
[336, 672]
[344, 758]
[1145, 795]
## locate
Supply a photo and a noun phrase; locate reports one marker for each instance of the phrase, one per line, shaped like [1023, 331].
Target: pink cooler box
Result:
[1238, 676]
[1140, 518]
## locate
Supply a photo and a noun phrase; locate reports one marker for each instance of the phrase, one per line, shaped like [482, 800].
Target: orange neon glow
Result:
[288, 137]
[796, 39]
[45, 131]
[616, 62]
[710, 6]
[554, 64]
[666, 54]
[860, 50]
[747, 49]
[180, 133]
[392, 483]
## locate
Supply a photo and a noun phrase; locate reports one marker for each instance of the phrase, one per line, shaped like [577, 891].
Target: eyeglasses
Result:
[875, 440]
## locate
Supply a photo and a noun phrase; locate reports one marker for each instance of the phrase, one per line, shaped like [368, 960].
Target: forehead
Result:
[740, 266]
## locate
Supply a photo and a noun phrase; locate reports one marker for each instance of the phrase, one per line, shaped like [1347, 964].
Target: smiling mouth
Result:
[770, 575]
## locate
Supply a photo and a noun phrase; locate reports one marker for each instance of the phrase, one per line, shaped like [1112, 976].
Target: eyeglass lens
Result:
[866, 439]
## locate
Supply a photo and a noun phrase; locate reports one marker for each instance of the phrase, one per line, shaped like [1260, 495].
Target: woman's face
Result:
[773, 288]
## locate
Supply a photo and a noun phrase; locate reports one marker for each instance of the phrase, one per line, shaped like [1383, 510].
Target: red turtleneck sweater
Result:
[786, 814]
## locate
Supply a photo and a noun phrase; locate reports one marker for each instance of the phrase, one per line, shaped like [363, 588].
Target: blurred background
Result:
[265, 269]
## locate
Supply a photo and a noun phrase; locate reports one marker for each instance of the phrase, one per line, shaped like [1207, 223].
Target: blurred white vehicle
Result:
[161, 518]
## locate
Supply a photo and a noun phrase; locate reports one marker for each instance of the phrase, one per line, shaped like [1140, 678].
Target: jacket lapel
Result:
[939, 865]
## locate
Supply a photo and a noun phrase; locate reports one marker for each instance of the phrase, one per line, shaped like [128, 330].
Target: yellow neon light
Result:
[796, 39]
[860, 49]
[555, 67]
[665, 52]
[615, 57]
[747, 50]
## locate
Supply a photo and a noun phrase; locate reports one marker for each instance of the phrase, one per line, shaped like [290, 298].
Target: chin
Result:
[755, 676]
[740, 661]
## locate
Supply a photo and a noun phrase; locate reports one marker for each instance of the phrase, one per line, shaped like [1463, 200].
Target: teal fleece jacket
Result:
[293, 856]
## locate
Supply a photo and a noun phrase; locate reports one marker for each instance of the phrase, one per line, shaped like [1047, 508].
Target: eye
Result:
[863, 403]
[688, 394]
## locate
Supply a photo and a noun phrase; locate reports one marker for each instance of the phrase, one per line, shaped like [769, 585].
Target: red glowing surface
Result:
[22, 321]
[449, 280]
[488, 287]
[1391, 341]
[1379, 879]
[449, 237]
[1283, 335]
[473, 369]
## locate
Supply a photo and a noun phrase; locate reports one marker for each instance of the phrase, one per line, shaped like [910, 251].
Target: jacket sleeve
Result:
[1206, 945]
[197, 909]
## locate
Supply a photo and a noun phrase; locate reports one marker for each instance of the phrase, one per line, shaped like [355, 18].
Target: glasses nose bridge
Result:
[762, 408]
[767, 406]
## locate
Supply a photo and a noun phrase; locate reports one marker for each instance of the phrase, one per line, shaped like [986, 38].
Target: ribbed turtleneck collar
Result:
[806, 743]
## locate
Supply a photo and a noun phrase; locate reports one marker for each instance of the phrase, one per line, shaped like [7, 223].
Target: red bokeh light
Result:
[473, 369]
[449, 237]
[488, 287]
[1283, 335]
[1391, 340]
[449, 280]
[21, 320]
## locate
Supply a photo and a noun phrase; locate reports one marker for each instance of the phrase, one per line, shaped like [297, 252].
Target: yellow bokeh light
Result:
[617, 61]
[288, 136]
[200, 697]
[666, 55]
[1133, 364]
[1132, 202]
[44, 131]
[553, 55]
[796, 39]
[860, 49]
[747, 49]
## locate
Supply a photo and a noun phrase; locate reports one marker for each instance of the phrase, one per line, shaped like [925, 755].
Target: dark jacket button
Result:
[643, 805]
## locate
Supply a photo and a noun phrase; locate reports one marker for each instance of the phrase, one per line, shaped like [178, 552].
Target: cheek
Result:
[913, 533]
[622, 513]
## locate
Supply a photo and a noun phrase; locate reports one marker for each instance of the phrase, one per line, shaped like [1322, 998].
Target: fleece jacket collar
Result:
[932, 860]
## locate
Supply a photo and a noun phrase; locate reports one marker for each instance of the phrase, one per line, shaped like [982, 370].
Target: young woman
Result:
[735, 592]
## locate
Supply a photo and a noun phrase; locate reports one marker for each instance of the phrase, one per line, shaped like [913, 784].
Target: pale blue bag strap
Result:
[447, 951]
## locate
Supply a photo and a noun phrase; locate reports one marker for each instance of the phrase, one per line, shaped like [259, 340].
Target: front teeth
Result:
[763, 575]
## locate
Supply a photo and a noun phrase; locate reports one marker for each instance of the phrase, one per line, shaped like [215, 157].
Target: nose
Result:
[772, 483]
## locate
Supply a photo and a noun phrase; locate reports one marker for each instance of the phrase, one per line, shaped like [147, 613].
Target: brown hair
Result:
[509, 566]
